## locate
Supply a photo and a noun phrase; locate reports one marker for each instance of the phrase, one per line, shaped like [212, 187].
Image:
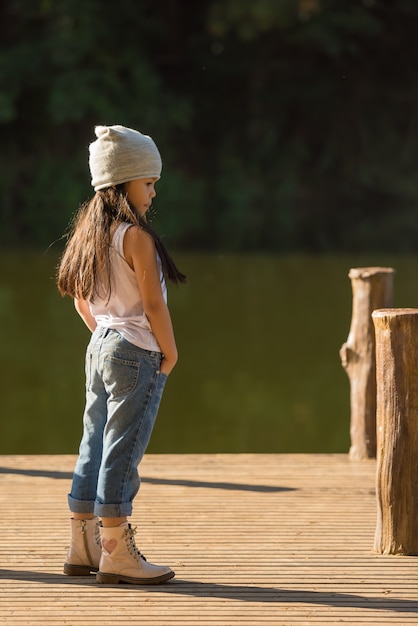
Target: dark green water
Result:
[259, 368]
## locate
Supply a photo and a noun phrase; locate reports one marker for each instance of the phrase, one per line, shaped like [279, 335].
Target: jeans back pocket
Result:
[120, 376]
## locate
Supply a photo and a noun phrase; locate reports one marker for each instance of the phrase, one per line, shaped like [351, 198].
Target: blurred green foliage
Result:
[283, 124]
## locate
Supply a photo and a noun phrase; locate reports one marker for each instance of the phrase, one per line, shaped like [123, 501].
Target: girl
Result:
[114, 267]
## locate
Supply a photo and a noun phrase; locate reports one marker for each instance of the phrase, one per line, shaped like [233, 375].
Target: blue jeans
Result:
[124, 386]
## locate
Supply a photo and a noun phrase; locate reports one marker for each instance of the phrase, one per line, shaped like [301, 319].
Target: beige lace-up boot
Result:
[122, 562]
[85, 548]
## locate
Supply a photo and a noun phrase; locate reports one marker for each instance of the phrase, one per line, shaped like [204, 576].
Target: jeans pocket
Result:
[160, 382]
[120, 376]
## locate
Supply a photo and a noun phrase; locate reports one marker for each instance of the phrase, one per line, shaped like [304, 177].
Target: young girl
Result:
[114, 267]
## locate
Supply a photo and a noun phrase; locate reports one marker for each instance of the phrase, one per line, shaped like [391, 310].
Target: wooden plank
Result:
[254, 539]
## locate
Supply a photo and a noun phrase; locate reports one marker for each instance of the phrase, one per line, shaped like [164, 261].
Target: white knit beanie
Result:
[120, 154]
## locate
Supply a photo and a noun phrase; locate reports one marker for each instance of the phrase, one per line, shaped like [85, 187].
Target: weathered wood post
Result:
[372, 289]
[397, 431]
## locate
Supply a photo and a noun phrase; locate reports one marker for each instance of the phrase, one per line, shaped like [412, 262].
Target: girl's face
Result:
[140, 193]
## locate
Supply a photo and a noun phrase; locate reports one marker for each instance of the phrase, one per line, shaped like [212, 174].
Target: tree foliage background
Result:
[283, 124]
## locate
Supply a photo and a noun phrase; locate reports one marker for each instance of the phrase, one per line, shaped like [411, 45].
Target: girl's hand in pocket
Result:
[167, 365]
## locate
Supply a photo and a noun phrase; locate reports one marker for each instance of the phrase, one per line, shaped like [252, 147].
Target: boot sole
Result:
[79, 570]
[114, 579]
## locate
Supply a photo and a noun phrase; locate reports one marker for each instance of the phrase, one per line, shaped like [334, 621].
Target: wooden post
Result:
[397, 431]
[372, 289]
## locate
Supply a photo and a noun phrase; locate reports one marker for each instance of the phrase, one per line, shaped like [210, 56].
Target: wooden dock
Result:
[254, 539]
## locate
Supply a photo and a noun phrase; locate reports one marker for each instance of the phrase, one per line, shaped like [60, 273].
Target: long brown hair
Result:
[87, 252]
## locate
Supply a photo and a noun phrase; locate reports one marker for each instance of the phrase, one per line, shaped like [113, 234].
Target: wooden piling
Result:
[372, 288]
[397, 431]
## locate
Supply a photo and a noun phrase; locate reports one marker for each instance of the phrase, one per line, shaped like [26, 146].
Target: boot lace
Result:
[130, 542]
[97, 535]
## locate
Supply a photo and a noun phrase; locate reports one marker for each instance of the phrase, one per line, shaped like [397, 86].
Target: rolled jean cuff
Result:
[80, 506]
[124, 509]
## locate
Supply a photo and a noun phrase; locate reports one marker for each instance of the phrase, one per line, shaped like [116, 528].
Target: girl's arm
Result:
[83, 309]
[140, 253]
